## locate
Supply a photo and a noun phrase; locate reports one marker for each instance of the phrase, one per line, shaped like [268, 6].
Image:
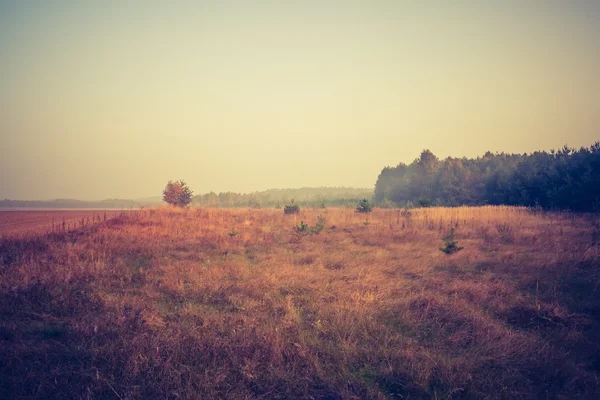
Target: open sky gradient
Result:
[113, 98]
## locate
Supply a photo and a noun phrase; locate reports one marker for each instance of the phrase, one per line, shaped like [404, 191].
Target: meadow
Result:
[242, 304]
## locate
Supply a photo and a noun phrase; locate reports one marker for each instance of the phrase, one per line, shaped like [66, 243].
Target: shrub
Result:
[177, 193]
[319, 225]
[291, 208]
[302, 229]
[233, 233]
[451, 245]
[406, 213]
[364, 206]
[424, 202]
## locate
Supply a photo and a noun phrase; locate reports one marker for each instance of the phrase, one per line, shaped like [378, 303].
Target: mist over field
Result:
[333, 199]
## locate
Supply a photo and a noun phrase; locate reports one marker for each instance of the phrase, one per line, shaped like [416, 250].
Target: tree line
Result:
[559, 179]
[278, 198]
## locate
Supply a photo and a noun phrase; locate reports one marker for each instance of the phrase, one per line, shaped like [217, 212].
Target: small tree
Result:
[302, 229]
[291, 208]
[177, 193]
[364, 206]
[451, 245]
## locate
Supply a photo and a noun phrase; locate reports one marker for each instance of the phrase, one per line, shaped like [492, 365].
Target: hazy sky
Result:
[114, 98]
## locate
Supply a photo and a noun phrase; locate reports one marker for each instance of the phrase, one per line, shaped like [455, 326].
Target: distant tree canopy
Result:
[563, 179]
[306, 197]
[177, 193]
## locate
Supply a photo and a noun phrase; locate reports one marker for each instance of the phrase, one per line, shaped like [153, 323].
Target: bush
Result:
[424, 202]
[291, 208]
[302, 229]
[177, 193]
[364, 206]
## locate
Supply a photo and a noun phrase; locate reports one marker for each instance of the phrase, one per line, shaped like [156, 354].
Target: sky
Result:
[112, 99]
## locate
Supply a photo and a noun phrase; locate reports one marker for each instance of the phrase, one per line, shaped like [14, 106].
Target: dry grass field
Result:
[207, 303]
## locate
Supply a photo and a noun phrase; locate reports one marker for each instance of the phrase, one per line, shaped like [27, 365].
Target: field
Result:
[240, 304]
[44, 221]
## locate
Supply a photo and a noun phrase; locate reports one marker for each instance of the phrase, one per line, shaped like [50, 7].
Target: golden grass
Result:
[165, 303]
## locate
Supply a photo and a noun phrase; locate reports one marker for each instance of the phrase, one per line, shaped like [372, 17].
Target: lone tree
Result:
[177, 193]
